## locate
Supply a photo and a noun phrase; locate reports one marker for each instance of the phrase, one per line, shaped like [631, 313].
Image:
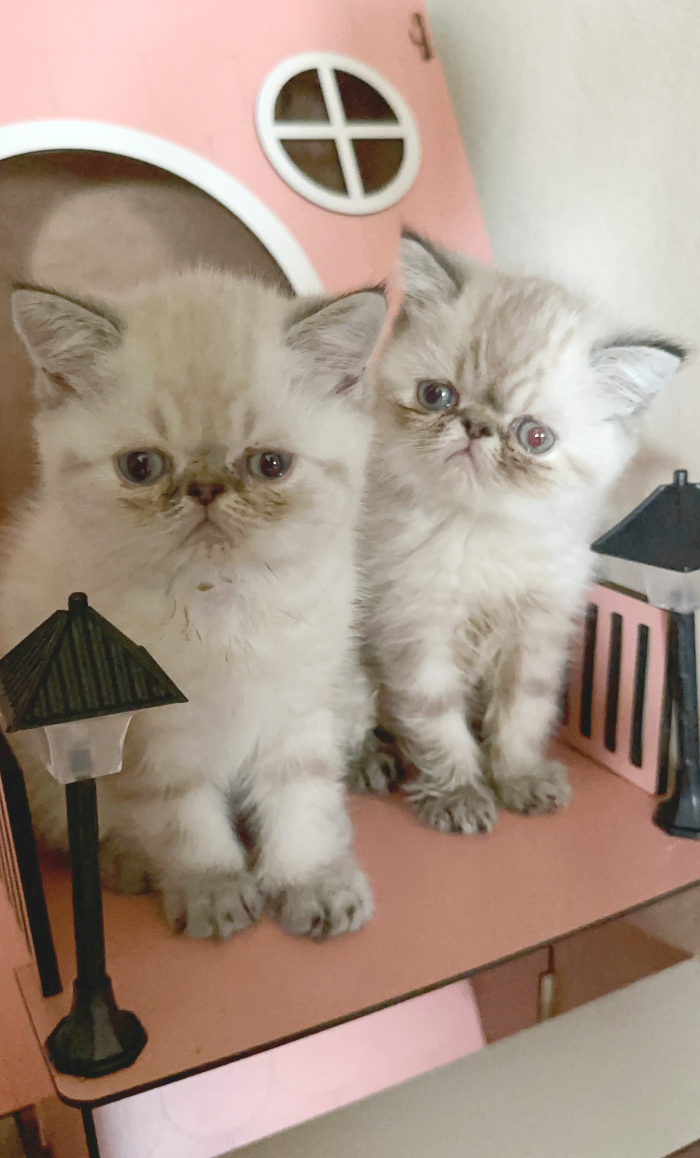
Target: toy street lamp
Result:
[81, 680]
[663, 535]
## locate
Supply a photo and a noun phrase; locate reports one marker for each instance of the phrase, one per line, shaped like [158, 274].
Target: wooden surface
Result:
[616, 1078]
[446, 906]
[24, 1078]
[233, 1106]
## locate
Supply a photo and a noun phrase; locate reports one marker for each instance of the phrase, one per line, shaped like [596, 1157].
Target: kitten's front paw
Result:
[124, 870]
[338, 901]
[471, 808]
[535, 792]
[375, 770]
[213, 904]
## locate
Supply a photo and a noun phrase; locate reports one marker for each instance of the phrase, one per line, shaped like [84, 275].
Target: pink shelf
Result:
[446, 906]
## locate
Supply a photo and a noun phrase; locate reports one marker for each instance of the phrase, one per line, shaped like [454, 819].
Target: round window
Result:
[338, 133]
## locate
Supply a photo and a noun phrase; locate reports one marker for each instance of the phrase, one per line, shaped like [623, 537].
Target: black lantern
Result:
[663, 535]
[81, 680]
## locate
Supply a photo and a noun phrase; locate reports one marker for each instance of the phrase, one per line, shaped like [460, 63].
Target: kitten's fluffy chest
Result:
[238, 629]
[238, 660]
[471, 560]
[499, 579]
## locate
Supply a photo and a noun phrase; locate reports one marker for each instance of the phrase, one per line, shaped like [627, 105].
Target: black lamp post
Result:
[663, 535]
[81, 680]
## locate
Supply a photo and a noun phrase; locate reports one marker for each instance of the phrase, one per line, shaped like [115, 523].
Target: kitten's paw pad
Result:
[469, 809]
[124, 870]
[536, 792]
[339, 901]
[375, 770]
[213, 905]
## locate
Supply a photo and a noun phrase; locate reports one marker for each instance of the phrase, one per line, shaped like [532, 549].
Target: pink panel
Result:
[634, 612]
[24, 1078]
[202, 1116]
[9, 872]
[189, 73]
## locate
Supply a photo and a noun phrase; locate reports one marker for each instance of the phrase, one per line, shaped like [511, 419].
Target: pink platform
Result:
[210, 1113]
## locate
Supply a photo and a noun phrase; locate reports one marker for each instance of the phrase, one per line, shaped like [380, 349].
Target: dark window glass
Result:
[378, 162]
[361, 102]
[301, 99]
[318, 160]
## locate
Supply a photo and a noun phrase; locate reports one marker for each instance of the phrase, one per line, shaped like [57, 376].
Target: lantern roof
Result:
[76, 666]
[663, 531]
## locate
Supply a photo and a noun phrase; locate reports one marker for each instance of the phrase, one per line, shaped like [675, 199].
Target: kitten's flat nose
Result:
[476, 429]
[205, 493]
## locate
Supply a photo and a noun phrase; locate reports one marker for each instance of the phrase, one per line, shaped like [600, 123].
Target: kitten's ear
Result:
[634, 371]
[64, 338]
[336, 338]
[428, 272]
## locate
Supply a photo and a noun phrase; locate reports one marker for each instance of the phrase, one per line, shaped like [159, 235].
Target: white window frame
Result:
[270, 132]
[45, 136]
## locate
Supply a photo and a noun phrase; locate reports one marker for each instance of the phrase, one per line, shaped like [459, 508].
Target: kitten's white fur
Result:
[250, 615]
[476, 552]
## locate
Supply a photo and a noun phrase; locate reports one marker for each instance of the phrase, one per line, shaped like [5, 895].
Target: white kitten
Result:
[203, 444]
[504, 415]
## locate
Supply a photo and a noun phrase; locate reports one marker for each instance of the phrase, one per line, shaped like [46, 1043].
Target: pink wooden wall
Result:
[189, 73]
[24, 1079]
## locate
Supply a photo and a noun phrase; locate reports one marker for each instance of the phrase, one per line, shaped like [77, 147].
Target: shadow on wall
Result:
[95, 222]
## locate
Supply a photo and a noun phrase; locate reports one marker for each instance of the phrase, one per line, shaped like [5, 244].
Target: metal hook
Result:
[418, 35]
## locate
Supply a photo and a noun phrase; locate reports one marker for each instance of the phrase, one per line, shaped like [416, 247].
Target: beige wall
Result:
[581, 120]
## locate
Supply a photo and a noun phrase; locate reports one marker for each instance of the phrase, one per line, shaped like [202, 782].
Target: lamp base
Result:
[679, 816]
[96, 1038]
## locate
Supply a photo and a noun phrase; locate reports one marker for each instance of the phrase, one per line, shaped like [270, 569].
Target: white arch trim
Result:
[44, 136]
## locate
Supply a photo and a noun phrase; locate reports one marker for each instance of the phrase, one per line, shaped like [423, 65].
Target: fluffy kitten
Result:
[203, 443]
[505, 412]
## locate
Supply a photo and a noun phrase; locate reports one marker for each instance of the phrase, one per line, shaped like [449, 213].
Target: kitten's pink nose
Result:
[476, 429]
[205, 493]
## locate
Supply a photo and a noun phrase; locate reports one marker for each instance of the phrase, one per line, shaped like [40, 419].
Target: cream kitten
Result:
[203, 443]
[504, 415]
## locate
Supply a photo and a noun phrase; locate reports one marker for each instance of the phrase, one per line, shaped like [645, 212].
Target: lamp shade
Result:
[663, 535]
[77, 666]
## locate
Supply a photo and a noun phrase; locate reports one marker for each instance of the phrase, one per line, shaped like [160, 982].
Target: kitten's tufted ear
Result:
[336, 338]
[634, 370]
[428, 272]
[64, 338]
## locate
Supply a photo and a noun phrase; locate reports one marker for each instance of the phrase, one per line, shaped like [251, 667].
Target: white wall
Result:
[581, 119]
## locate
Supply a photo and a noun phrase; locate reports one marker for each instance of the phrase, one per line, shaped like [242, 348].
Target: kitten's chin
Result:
[464, 457]
[206, 534]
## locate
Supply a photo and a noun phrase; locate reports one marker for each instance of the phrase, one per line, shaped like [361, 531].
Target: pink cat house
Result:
[289, 141]
[319, 129]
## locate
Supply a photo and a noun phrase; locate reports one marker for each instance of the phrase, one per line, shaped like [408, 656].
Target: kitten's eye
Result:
[534, 436]
[269, 463]
[434, 394]
[143, 467]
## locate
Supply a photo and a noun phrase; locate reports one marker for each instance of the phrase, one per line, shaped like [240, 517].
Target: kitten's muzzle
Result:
[205, 492]
[476, 428]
